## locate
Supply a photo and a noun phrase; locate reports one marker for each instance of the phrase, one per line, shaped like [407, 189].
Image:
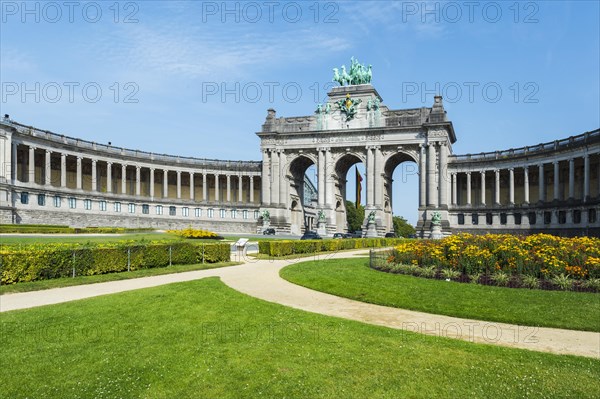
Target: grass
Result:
[203, 339]
[81, 280]
[352, 278]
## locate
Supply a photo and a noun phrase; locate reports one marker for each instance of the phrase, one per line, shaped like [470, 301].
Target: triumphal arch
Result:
[354, 125]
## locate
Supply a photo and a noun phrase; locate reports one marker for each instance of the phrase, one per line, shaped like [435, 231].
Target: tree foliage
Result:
[401, 227]
[354, 216]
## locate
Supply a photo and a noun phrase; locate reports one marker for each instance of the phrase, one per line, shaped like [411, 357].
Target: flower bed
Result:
[535, 261]
[196, 233]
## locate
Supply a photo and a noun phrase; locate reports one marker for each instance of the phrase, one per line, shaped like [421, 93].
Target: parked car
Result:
[341, 235]
[356, 234]
[269, 232]
[391, 234]
[310, 235]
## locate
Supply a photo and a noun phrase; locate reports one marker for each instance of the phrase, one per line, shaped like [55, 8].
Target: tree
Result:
[354, 216]
[401, 227]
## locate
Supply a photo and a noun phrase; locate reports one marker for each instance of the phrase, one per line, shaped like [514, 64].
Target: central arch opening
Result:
[401, 188]
[350, 193]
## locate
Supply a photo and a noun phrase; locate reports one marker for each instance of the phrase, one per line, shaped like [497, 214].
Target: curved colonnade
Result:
[48, 178]
[551, 187]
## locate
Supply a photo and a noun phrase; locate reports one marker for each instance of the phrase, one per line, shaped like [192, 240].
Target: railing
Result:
[123, 152]
[570, 142]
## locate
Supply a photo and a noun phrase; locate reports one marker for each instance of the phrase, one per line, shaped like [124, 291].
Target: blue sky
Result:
[512, 74]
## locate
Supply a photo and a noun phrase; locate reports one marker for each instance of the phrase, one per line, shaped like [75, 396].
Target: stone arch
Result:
[392, 161]
[301, 213]
[343, 163]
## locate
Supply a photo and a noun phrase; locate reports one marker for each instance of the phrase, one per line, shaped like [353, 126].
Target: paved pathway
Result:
[261, 279]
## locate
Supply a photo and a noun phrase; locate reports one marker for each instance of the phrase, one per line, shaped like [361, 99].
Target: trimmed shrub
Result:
[21, 263]
[214, 253]
[287, 247]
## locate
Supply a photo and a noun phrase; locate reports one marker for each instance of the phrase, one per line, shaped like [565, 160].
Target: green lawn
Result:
[201, 339]
[352, 278]
[101, 278]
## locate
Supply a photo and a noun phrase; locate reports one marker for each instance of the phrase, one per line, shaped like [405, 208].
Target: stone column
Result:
[228, 188]
[443, 175]
[165, 186]
[541, 184]
[468, 188]
[47, 169]
[13, 162]
[378, 179]
[329, 182]
[274, 178]
[497, 188]
[432, 188]
[511, 186]
[240, 185]
[192, 188]
[31, 164]
[370, 173]
[454, 197]
[586, 177]
[204, 188]
[265, 186]
[63, 170]
[151, 182]
[571, 178]
[217, 196]
[283, 183]
[109, 177]
[482, 188]
[79, 175]
[422, 177]
[321, 179]
[556, 181]
[526, 184]
[138, 180]
[123, 179]
[251, 189]
[178, 184]
[94, 175]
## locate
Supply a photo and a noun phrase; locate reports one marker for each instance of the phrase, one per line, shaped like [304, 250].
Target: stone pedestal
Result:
[322, 229]
[265, 225]
[371, 230]
[436, 232]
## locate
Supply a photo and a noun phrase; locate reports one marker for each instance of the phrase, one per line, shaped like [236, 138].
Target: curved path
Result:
[261, 279]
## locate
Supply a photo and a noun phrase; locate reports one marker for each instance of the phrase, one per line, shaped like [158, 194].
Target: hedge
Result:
[289, 247]
[58, 229]
[22, 263]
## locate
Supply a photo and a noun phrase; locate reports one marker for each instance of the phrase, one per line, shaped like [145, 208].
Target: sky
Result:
[195, 78]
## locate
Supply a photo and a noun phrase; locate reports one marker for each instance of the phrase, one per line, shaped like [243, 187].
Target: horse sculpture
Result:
[345, 76]
[358, 74]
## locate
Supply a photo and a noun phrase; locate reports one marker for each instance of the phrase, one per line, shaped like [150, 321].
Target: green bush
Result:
[214, 253]
[287, 247]
[60, 229]
[21, 263]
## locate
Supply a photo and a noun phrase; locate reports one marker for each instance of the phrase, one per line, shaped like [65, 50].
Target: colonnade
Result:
[120, 175]
[549, 180]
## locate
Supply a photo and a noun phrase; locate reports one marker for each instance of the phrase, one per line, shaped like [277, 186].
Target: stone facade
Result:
[554, 187]
[378, 137]
[47, 178]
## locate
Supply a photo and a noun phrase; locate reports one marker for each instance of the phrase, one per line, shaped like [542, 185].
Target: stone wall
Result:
[90, 219]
